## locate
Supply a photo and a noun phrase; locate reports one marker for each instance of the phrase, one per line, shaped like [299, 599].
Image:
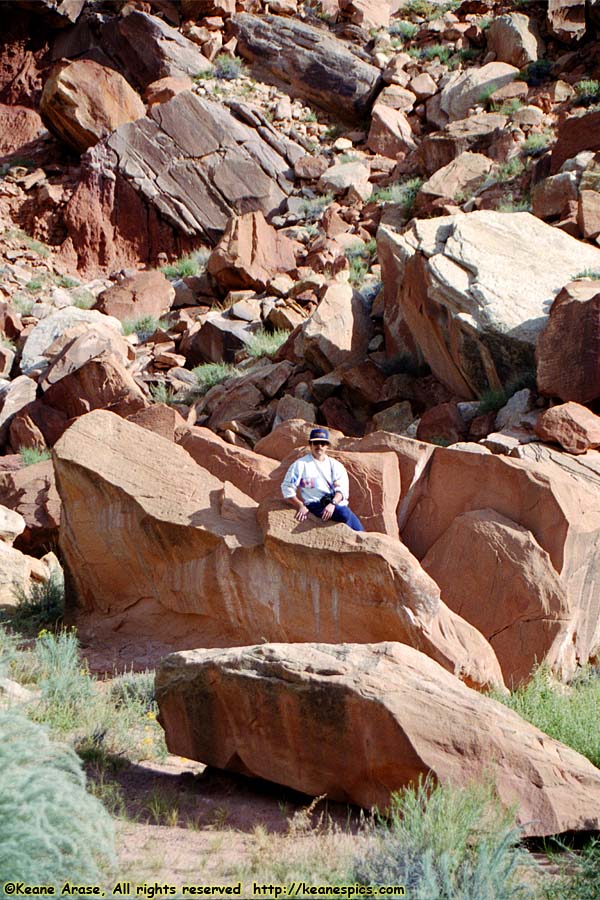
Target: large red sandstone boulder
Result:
[514, 39]
[390, 133]
[338, 331]
[31, 491]
[83, 101]
[571, 425]
[250, 253]
[248, 471]
[356, 722]
[214, 571]
[568, 349]
[143, 294]
[101, 383]
[36, 426]
[555, 499]
[494, 574]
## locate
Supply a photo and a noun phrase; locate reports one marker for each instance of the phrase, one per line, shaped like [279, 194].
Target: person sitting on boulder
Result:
[323, 484]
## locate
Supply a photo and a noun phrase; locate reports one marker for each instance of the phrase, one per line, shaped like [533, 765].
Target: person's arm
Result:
[289, 489]
[340, 478]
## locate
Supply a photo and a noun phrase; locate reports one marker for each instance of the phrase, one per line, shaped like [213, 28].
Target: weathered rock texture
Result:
[493, 572]
[571, 425]
[171, 181]
[555, 499]
[159, 549]
[83, 101]
[357, 722]
[316, 66]
[31, 492]
[250, 253]
[474, 291]
[568, 349]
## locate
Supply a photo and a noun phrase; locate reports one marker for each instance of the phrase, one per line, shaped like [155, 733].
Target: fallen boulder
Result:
[554, 499]
[31, 492]
[163, 551]
[508, 590]
[250, 253]
[474, 290]
[568, 349]
[356, 722]
[142, 294]
[315, 65]
[83, 101]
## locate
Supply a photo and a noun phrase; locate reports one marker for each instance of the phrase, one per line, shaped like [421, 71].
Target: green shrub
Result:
[313, 207]
[510, 170]
[22, 304]
[32, 455]
[445, 842]
[403, 29]
[67, 688]
[593, 274]
[35, 285]
[83, 299]
[581, 880]
[43, 605]
[571, 716]
[192, 264]
[228, 68]
[495, 398]
[535, 144]
[65, 281]
[588, 91]
[266, 343]
[135, 687]
[402, 193]
[537, 72]
[514, 204]
[143, 327]
[210, 374]
[162, 393]
[360, 257]
[51, 829]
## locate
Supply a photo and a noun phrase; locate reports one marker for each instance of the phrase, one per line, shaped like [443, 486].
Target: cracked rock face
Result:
[356, 722]
[315, 65]
[475, 291]
[183, 171]
[553, 496]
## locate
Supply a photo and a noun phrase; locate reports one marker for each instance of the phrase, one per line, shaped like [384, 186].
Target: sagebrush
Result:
[51, 829]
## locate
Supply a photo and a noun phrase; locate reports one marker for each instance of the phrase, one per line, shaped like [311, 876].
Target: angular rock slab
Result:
[556, 499]
[183, 171]
[508, 590]
[318, 67]
[475, 290]
[161, 550]
[356, 722]
[83, 101]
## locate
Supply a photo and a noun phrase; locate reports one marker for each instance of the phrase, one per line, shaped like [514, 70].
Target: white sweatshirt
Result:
[315, 479]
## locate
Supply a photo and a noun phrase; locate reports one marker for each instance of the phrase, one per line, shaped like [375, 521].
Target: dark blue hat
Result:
[319, 434]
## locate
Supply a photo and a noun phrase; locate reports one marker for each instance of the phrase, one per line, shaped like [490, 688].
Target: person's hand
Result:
[302, 514]
[328, 512]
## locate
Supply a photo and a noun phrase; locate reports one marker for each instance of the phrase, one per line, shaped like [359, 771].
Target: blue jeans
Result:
[342, 514]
